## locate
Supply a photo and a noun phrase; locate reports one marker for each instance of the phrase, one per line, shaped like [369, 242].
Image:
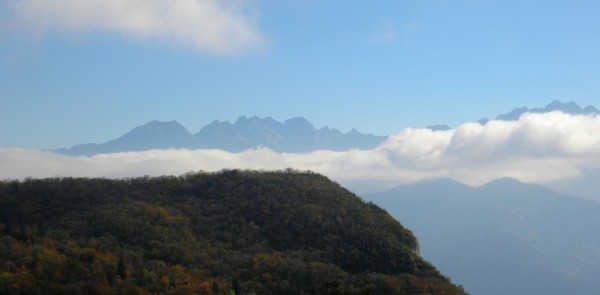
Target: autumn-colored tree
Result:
[228, 232]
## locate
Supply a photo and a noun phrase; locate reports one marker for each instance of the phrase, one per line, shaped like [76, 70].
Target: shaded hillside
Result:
[505, 237]
[293, 135]
[232, 232]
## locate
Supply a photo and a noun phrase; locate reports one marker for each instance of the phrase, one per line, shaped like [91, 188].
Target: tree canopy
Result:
[229, 232]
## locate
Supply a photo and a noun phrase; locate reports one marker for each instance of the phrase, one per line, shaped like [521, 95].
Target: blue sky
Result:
[378, 66]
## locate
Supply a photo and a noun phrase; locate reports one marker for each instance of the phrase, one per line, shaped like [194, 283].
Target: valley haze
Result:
[504, 237]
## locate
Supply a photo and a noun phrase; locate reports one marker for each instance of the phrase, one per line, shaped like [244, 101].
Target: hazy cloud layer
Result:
[216, 26]
[538, 148]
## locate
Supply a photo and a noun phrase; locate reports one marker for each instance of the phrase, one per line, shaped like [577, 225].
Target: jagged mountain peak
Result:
[160, 127]
[154, 134]
[568, 107]
[556, 105]
[298, 121]
[244, 120]
[299, 125]
[293, 135]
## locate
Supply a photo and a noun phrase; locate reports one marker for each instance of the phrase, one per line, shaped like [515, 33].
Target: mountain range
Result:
[514, 115]
[505, 237]
[295, 135]
[567, 108]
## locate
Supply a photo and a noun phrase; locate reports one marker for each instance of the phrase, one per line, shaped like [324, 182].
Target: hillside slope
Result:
[232, 232]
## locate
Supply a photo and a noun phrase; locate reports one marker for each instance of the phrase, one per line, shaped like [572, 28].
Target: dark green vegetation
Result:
[232, 232]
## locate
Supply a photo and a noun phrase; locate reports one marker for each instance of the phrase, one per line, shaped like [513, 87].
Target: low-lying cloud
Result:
[538, 148]
[215, 26]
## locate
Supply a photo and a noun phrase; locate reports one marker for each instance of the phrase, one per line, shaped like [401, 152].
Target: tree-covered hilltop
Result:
[231, 232]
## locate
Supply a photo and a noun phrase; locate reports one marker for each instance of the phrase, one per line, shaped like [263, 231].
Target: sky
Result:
[78, 71]
[81, 71]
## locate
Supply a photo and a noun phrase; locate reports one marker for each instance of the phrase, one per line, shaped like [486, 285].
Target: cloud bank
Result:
[215, 26]
[538, 148]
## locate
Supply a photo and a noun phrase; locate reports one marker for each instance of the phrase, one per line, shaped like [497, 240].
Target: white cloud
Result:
[537, 148]
[216, 26]
[387, 33]
[540, 148]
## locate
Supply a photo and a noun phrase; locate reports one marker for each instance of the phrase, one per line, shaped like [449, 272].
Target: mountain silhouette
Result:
[505, 237]
[152, 135]
[567, 108]
[293, 135]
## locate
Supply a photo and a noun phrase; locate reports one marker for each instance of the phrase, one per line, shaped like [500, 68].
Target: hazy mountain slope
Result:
[567, 108]
[293, 135]
[152, 135]
[207, 233]
[505, 237]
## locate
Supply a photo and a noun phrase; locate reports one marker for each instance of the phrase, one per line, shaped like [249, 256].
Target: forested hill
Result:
[231, 232]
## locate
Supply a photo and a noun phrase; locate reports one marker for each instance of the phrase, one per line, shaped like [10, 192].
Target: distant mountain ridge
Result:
[567, 108]
[515, 114]
[505, 237]
[293, 135]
